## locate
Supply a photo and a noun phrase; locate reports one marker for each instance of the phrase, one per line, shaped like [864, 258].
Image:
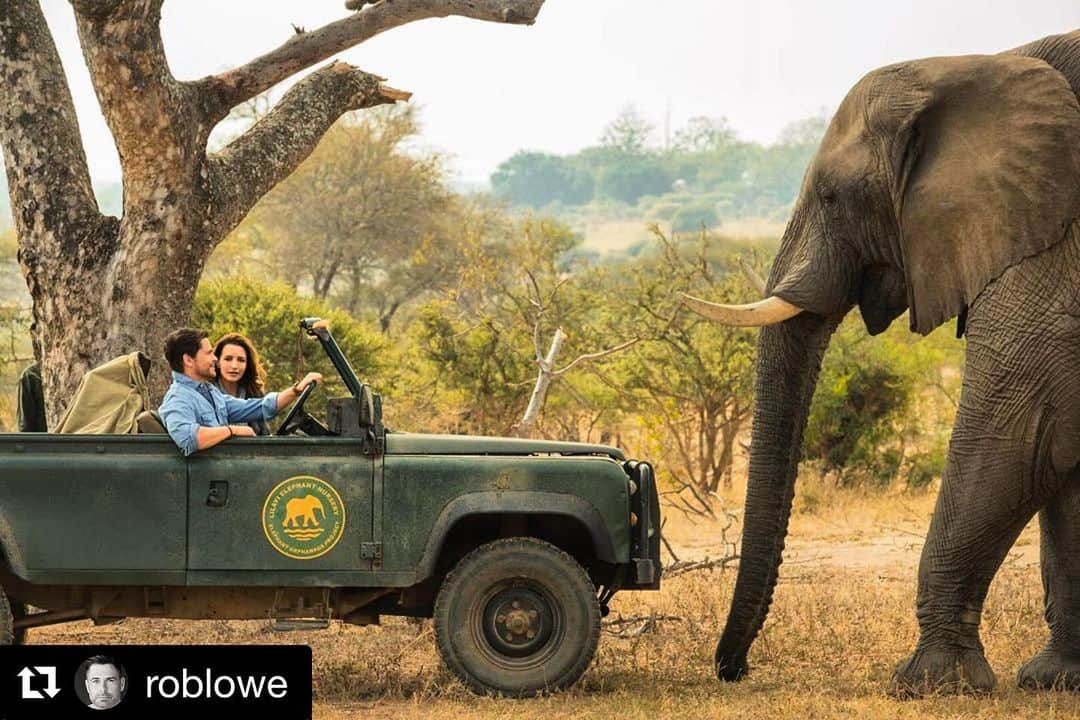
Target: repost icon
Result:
[30, 679]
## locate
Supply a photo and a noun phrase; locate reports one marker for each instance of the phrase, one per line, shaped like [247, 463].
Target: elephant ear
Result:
[987, 172]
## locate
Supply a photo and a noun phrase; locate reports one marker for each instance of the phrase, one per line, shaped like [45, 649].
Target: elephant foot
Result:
[731, 669]
[1051, 669]
[942, 670]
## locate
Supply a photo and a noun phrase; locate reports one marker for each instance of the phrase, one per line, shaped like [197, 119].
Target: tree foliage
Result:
[706, 166]
[357, 206]
[539, 179]
[482, 339]
[366, 223]
[127, 281]
[628, 133]
[269, 312]
[690, 380]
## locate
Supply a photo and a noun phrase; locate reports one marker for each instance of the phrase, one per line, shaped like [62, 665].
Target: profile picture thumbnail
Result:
[101, 682]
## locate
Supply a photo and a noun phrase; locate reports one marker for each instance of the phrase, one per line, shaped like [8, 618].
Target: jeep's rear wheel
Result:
[517, 617]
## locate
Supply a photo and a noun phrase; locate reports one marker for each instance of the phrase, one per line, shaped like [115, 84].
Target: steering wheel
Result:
[297, 417]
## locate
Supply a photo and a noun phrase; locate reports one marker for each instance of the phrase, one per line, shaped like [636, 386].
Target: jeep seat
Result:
[149, 423]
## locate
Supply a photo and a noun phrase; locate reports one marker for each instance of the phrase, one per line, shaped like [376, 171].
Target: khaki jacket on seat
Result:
[110, 398]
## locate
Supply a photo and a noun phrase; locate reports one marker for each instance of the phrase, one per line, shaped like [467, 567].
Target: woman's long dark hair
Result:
[254, 378]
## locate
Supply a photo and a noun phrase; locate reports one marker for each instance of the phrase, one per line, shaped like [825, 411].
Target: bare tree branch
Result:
[754, 279]
[303, 50]
[666, 542]
[535, 300]
[595, 356]
[543, 382]
[537, 347]
[620, 626]
[263, 156]
[684, 566]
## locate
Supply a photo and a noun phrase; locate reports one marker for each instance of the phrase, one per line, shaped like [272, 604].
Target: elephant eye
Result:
[828, 197]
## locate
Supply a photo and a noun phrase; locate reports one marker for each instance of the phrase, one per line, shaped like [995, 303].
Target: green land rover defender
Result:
[513, 546]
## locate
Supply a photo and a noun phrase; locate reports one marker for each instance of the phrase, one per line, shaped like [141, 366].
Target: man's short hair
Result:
[184, 341]
[98, 660]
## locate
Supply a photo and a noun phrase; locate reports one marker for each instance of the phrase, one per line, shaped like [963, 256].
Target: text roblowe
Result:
[162, 682]
[204, 684]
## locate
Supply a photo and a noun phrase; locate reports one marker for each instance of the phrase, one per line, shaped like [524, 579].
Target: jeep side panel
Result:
[108, 509]
[424, 496]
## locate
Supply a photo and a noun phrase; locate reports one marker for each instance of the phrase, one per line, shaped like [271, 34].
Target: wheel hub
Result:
[517, 621]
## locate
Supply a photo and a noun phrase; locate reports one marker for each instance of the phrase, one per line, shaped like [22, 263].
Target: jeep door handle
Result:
[219, 493]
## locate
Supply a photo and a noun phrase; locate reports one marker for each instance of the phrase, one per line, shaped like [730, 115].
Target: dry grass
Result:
[842, 617]
[615, 235]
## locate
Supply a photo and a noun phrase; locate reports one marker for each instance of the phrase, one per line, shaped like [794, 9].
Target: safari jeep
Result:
[515, 547]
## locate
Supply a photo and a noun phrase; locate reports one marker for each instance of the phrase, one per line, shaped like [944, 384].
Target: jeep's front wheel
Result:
[517, 617]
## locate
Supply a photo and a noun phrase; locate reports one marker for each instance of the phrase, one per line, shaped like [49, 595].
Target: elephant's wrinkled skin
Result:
[945, 186]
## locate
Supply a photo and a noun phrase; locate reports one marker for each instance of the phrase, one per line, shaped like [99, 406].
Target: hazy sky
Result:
[487, 90]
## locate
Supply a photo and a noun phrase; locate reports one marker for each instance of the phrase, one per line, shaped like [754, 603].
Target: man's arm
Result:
[208, 437]
[286, 397]
[179, 416]
[266, 407]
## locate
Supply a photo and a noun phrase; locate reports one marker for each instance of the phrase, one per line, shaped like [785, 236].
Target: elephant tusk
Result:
[769, 311]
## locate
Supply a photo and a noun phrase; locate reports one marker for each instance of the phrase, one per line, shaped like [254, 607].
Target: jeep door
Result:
[279, 511]
[93, 509]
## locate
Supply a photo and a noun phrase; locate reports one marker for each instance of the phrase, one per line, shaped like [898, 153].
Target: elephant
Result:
[301, 512]
[946, 187]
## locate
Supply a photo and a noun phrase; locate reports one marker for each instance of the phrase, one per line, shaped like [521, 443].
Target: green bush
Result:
[862, 395]
[269, 314]
[883, 405]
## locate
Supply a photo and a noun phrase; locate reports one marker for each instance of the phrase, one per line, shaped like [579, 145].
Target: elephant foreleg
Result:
[1058, 665]
[999, 473]
[1014, 446]
[976, 520]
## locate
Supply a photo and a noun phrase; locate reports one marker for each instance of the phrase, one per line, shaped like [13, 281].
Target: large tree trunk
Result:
[103, 287]
[788, 361]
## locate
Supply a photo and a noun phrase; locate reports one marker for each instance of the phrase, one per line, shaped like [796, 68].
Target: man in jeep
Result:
[195, 413]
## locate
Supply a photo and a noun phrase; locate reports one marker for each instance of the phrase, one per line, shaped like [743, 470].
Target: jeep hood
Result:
[399, 443]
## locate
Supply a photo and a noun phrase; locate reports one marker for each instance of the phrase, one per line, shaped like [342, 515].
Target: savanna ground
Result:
[841, 618]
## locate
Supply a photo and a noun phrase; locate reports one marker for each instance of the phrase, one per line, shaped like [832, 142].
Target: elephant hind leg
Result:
[1057, 666]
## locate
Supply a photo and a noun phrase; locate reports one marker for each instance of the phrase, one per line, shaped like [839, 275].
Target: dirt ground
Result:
[841, 619]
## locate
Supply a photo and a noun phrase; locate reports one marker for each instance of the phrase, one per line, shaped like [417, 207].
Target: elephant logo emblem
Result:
[303, 517]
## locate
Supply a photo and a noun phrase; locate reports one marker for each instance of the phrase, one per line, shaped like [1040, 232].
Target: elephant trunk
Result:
[788, 361]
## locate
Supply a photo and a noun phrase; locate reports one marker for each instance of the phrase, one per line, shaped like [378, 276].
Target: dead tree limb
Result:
[230, 88]
[754, 279]
[622, 627]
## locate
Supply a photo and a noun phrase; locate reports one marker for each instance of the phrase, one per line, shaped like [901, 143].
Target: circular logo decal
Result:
[303, 517]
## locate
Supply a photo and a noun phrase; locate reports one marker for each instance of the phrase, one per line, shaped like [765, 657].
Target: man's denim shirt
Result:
[184, 410]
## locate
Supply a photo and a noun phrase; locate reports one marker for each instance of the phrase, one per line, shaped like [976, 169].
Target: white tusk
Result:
[769, 311]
